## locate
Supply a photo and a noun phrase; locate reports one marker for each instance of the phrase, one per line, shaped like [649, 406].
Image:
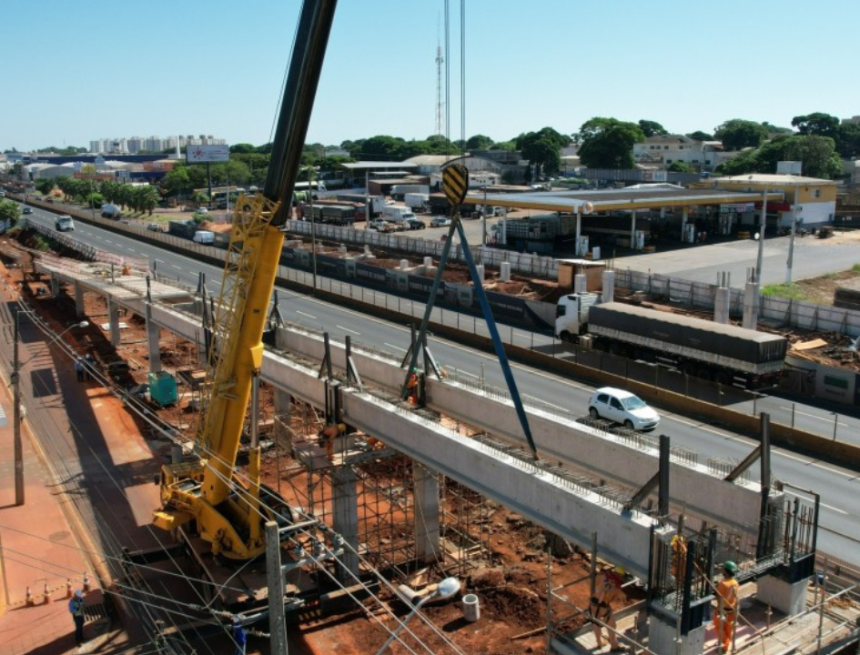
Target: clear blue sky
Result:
[76, 71]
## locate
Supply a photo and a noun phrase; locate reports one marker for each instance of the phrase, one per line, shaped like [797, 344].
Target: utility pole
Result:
[277, 621]
[762, 228]
[16, 418]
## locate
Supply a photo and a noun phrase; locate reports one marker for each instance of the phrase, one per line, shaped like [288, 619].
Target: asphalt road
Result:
[840, 519]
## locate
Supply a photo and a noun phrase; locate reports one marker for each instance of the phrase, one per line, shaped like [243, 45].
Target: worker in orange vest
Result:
[327, 437]
[412, 387]
[679, 559]
[727, 606]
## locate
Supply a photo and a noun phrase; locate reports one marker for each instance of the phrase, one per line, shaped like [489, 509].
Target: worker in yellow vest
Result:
[727, 606]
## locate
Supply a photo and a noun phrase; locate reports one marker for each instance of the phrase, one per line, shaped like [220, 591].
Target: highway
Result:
[840, 520]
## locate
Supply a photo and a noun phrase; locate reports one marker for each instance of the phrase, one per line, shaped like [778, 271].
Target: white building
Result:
[671, 148]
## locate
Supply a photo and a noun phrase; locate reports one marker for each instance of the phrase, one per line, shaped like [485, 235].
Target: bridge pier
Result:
[152, 340]
[664, 637]
[345, 514]
[55, 287]
[113, 314]
[283, 412]
[427, 531]
[79, 300]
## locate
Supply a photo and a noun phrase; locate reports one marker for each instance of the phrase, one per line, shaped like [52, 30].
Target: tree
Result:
[542, 149]
[818, 155]
[738, 133]
[608, 143]
[9, 211]
[479, 142]
[177, 180]
[44, 186]
[817, 124]
[242, 149]
[652, 128]
[848, 143]
[698, 135]
[505, 146]
[680, 167]
[146, 198]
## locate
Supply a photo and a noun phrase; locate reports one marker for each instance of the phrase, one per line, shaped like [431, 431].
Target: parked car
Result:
[415, 224]
[440, 221]
[381, 225]
[623, 407]
[27, 210]
[155, 227]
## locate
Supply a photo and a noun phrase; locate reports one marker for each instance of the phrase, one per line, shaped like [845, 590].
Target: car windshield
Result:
[633, 402]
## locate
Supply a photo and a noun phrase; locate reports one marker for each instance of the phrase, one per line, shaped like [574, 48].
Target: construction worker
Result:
[412, 387]
[240, 637]
[79, 369]
[608, 591]
[727, 606]
[76, 609]
[328, 435]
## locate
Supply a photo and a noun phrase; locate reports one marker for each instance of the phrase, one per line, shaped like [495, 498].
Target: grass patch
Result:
[855, 268]
[789, 291]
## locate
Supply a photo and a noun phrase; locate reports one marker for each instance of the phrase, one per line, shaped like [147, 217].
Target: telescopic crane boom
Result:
[228, 512]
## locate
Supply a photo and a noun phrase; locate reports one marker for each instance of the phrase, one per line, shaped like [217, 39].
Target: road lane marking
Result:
[829, 419]
[306, 315]
[132, 250]
[391, 345]
[178, 268]
[347, 329]
[835, 509]
[160, 261]
[543, 402]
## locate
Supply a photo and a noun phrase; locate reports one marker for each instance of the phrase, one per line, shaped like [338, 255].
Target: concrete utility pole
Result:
[762, 228]
[277, 622]
[16, 418]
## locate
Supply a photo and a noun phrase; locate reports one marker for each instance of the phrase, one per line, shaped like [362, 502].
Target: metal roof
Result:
[360, 165]
[618, 199]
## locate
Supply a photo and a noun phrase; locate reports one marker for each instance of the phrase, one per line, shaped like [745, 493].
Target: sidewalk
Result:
[42, 556]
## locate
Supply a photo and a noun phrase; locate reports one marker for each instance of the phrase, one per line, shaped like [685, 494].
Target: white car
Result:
[623, 407]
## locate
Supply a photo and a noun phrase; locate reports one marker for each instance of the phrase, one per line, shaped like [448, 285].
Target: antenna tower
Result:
[439, 61]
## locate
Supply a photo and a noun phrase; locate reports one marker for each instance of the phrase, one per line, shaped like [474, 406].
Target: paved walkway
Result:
[43, 551]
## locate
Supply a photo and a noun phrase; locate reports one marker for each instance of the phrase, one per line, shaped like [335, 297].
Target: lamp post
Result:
[762, 228]
[16, 399]
[795, 210]
[447, 588]
[311, 171]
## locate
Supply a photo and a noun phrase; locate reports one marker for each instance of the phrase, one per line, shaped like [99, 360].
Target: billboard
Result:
[207, 154]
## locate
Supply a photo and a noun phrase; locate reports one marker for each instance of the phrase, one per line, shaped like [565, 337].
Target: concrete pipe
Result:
[471, 608]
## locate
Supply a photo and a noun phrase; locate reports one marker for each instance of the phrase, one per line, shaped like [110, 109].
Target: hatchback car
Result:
[415, 224]
[623, 407]
[27, 210]
[440, 221]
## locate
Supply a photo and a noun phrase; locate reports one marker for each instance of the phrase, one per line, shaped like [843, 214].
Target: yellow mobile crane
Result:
[229, 513]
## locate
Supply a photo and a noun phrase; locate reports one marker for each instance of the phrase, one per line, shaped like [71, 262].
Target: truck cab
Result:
[64, 223]
[571, 315]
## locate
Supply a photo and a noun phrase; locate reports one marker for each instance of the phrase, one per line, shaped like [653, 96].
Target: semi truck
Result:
[417, 202]
[398, 191]
[715, 351]
[331, 214]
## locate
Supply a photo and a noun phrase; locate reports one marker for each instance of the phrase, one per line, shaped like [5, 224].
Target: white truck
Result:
[395, 214]
[399, 191]
[111, 211]
[204, 236]
[417, 202]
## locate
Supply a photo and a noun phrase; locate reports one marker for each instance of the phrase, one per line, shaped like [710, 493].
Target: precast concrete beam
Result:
[607, 455]
[570, 511]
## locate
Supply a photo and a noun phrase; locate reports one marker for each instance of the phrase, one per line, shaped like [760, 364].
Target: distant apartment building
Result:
[135, 144]
[671, 148]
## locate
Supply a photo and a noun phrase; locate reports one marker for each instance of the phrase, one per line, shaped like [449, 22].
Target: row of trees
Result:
[143, 198]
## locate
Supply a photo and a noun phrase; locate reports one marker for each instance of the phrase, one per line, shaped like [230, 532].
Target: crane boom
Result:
[204, 488]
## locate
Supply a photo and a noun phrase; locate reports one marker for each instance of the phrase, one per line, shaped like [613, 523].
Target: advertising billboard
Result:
[207, 154]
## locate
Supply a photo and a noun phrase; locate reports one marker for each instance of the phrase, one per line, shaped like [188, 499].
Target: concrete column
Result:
[345, 511]
[684, 215]
[787, 597]
[152, 334]
[608, 286]
[55, 287]
[633, 229]
[663, 637]
[751, 306]
[662, 212]
[721, 305]
[79, 301]
[580, 283]
[283, 411]
[578, 226]
[113, 314]
[427, 532]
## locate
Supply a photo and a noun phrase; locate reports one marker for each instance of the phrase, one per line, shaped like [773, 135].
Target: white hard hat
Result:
[79, 593]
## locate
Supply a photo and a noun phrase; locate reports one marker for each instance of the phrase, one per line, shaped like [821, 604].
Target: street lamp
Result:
[311, 171]
[762, 228]
[447, 588]
[16, 399]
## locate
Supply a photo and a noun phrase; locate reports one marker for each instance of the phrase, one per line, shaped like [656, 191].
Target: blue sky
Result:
[76, 71]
